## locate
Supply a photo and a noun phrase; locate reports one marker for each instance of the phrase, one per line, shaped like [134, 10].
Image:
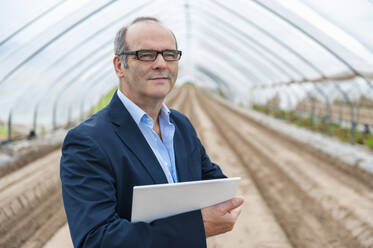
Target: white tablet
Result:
[157, 201]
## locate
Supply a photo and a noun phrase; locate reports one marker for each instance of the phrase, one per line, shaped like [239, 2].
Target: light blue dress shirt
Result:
[164, 151]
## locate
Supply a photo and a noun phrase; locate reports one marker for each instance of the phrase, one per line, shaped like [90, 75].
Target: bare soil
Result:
[294, 196]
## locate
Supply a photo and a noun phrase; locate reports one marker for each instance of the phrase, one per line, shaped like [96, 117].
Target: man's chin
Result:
[163, 88]
[159, 93]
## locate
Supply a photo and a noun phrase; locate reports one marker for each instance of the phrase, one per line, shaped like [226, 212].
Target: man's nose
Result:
[159, 62]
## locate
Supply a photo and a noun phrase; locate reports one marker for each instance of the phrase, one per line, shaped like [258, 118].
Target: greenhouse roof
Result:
[56, 56]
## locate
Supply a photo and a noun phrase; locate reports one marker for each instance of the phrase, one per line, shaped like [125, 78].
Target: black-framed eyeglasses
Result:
[151, 55]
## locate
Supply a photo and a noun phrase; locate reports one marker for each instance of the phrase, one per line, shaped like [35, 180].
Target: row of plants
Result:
[15, 134]
[320, 125]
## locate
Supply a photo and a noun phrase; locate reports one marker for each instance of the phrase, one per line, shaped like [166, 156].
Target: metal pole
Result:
[10, 126]
[340, 111]
[297, 101]
[312, 112]
[54, 118]
[353, 124]
[35, 118]
[289, 105]
[69, 116]
[327, 101]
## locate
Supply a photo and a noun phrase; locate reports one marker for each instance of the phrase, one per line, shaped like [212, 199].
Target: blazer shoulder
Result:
[182, 121]
[178, 116]
[93, 125]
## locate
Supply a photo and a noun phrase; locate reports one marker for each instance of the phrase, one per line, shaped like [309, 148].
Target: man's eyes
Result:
[147, 54]
[170, 54]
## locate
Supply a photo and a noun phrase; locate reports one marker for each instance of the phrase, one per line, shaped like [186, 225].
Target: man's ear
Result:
[118, 67]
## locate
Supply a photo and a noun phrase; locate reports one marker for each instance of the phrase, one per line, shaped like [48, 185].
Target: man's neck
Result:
[150, 106]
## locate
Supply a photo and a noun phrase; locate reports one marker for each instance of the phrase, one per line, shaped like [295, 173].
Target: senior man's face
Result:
[153, 79]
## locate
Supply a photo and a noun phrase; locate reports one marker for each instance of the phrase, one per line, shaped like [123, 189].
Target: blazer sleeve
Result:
[89, 195]
[210, 170]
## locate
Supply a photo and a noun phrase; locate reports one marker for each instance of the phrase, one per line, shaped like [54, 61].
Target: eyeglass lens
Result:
[151, 55]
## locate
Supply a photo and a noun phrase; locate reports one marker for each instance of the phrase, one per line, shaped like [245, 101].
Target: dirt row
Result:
[266, 231]
[31, 208]
[315, 202]
[311, 201]
[294, 198]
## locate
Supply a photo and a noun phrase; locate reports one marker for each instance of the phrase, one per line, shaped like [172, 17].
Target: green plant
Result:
[189, 83]
[3, 131]
[103, 101]
[320, 125]
[368, 141]
[222, 94]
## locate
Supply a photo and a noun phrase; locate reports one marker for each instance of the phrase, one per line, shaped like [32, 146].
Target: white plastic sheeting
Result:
[56, 56]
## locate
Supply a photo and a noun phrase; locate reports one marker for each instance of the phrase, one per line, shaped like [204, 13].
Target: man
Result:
[137, 140]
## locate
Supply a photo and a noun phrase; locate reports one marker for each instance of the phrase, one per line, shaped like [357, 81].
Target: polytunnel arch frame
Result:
[289, 49]
[267, 50]
[342, 60]
[31, 22]
[75, 80]
[263, 47]
[35, 53]
[189, 20]
[330, 51]
[215, 1]
[107, 43]
[296, 54]
[75, 24]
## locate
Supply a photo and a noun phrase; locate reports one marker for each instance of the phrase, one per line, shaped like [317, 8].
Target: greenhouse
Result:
[275, 83]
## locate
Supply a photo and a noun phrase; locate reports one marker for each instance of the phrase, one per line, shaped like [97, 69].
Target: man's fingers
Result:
[233, 203]
[236, 212]
[221, 218]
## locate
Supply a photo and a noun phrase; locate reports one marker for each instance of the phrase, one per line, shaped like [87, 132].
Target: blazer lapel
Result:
[180, 155]
[130, 134]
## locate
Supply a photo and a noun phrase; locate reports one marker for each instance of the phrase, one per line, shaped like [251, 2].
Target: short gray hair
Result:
[120, 43]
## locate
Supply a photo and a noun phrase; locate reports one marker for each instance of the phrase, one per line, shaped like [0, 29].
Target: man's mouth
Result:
[159, 77]
[155, 78]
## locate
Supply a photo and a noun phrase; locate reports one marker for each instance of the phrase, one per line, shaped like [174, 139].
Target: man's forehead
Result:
[147, 30]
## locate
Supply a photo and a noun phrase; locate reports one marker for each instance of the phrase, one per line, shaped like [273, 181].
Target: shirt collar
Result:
[165, 113]
[137, 113]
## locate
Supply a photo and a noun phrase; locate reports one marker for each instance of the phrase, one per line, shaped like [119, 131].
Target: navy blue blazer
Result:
[103, 158]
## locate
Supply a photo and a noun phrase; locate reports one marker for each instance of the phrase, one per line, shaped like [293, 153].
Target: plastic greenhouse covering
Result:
[56, 56]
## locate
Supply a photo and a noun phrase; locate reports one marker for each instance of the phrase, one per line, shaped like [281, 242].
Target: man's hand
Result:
[220, 218]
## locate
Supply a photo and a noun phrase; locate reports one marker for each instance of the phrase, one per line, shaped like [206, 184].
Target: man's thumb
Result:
[233, 203]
